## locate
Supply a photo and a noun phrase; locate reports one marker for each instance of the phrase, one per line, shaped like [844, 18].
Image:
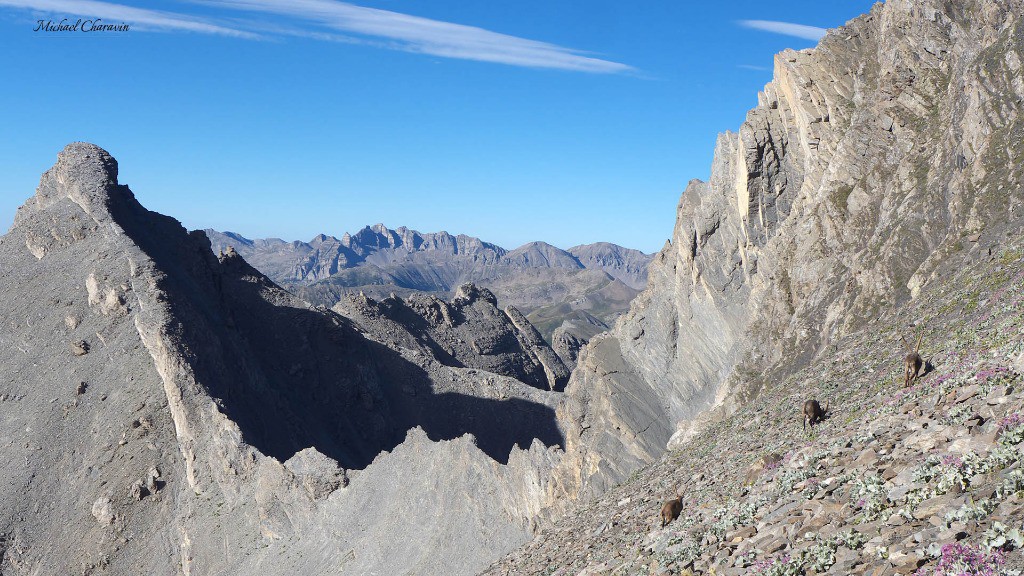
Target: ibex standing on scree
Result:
[670, 510]
[912, 363]
[813, 413]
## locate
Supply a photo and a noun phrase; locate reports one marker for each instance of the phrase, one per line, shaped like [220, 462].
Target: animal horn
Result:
[918, 347]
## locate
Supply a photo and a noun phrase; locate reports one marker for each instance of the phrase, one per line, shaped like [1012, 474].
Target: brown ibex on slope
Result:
[813, 413]
[670, 510]
[912, 362]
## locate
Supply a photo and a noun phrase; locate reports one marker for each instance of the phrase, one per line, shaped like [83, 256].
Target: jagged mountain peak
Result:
[85, 173]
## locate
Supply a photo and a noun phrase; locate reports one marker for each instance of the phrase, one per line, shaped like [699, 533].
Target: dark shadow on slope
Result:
[292, 377]
[498, 425]
[926, 369]
[312, 380]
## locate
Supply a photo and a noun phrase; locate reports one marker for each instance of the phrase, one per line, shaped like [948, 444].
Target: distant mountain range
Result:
[582, 289]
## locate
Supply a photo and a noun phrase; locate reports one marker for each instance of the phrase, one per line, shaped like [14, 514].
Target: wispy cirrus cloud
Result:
[142, 17]
[426, 36]
[786, 28]
[336, 21]
[752, 67]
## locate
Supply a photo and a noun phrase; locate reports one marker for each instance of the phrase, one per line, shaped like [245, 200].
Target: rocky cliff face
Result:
[868, 161]
[468, 331]
[164, 399]
[167, 411]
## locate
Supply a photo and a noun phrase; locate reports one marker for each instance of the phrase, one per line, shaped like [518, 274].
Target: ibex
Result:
[912, 363]
[813, 413]
[670, 510]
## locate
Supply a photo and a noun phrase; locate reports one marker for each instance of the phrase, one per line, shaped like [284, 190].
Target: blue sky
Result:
[566, 121]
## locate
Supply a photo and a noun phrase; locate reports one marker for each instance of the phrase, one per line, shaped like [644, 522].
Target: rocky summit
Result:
[168, 408]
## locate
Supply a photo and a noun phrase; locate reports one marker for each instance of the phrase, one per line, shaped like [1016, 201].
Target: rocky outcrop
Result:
[555, 370]
[469, 331]
[567, 345]
[215, 423]
[867, 162]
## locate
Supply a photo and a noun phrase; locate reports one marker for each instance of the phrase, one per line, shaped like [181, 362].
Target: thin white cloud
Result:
[787, 28]
[324, 19]
[752, 67]
[426, 36]
[116, 13]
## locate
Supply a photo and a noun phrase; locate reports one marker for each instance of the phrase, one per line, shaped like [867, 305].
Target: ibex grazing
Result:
[813, 413]
[670, 510]
[912, 363]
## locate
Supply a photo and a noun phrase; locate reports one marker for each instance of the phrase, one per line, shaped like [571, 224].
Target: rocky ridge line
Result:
[298, 263]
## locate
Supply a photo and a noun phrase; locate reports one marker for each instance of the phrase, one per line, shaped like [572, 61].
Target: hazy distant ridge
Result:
[434, 261]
